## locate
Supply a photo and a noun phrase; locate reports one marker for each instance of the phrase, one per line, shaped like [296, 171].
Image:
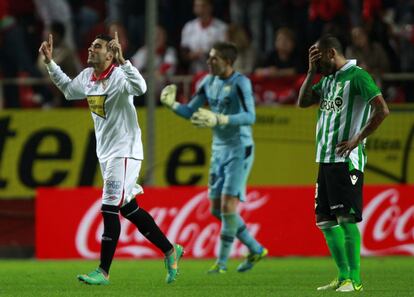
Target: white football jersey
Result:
[110, 99]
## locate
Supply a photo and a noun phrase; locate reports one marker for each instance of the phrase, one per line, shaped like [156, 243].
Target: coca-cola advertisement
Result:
[69, 222]
[388, 226]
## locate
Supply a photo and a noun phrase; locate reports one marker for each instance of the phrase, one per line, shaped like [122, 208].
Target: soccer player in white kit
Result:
[109, 89]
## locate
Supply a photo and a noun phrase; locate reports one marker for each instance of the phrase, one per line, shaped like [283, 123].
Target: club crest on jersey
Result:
[97, 105]
[104, 83]
[227, 89]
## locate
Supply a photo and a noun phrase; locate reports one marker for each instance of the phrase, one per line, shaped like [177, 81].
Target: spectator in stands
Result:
[166, 56]
[16, 59]
[56, 11]
[246, 57]
[369, 55]
[378, 23]
[326, 16]
[87, 15]
[165, 59]
[405, 34]
[283, 60]
[65, 57]
[249, 13]
[199, 34]
[127, 17]
[292, 14]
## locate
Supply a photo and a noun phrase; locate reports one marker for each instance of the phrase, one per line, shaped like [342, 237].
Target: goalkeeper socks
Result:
[242, 233]
[112, 229]
[353, 248]
[246, 238]
[228, 232]
[216, 213]
[334, 237]
[147, 226]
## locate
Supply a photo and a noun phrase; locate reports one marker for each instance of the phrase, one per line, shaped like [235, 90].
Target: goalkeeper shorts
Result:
[229, 169]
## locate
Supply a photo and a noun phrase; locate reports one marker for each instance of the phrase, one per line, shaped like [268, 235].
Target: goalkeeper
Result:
[230, 97]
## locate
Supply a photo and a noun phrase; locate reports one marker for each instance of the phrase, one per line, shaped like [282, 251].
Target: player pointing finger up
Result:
[116, 48]
[109, 91]
[46, 49]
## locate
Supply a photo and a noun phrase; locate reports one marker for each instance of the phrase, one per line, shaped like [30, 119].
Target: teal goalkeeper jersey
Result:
[232, 96]
[344, 110]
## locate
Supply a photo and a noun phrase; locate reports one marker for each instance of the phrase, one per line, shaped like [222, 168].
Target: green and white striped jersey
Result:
[343, 110]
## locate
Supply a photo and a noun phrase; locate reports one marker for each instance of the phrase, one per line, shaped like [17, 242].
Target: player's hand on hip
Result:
[205, 118]
[345, 148]
[116, 48]
[46, 49]
[168, 95]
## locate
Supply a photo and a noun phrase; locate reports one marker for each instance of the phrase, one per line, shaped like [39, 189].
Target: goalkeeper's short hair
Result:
[227, 50]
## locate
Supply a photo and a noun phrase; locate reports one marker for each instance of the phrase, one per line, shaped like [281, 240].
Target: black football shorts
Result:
[339, 191]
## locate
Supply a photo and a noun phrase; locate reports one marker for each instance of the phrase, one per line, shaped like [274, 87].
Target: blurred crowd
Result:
[273, 37]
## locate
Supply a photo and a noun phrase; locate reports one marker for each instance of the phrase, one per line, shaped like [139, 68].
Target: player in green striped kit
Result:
[351, 107]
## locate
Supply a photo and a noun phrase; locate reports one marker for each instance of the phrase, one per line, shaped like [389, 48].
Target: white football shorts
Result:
[120, 180]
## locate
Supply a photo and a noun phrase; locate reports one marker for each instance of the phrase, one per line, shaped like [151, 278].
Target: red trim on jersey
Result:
[206, 23]
[104, 74]
[123, 188]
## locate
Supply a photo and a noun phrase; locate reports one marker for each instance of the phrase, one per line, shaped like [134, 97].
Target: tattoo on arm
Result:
[306, 95]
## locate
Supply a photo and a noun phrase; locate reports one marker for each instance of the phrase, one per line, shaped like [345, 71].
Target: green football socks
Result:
[353, 250]
[335, 240]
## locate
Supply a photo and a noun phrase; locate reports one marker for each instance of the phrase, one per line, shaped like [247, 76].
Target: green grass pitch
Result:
[282, 277]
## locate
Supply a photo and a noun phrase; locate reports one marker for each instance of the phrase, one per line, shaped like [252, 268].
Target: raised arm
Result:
[168, 98]
[72, 89]
[46, 49]
[246, 115]
[134, 83]
[307, 96]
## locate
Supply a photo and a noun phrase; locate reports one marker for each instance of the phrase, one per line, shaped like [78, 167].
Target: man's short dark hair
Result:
[105, 37]
[227, 50]
[330, 41]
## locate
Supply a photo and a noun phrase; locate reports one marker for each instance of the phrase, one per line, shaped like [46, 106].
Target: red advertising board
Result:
[69, 224]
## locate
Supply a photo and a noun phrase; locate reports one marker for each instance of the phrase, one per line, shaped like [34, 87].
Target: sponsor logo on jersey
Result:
[97, 105]
[335, 103]
[332, 105]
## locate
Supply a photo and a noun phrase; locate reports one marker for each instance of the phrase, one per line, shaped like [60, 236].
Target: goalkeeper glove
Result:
[205, 118]
[168, 96]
